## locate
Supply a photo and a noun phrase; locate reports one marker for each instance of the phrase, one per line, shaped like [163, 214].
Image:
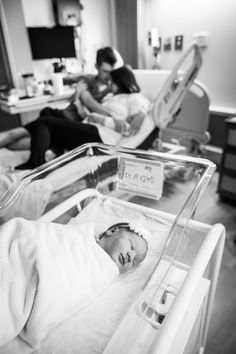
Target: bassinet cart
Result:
[164, 305]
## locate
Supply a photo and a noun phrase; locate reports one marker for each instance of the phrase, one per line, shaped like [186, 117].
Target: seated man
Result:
[98, 86]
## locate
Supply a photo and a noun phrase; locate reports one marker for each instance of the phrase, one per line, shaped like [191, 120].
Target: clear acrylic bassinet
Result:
[170, 309]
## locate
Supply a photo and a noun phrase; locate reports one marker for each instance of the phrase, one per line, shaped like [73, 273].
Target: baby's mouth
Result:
[121, 259]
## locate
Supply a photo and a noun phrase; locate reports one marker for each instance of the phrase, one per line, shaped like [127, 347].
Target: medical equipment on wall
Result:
[155, 42]
[169, 310]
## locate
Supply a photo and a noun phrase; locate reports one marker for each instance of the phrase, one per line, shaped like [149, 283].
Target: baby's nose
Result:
[129, 257]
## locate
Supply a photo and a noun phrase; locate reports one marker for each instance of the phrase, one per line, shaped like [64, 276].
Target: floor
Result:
[221, 335]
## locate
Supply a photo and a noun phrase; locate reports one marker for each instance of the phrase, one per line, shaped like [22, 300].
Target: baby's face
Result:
[125, 248]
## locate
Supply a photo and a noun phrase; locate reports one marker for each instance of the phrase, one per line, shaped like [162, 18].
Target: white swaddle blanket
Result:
[47, 272]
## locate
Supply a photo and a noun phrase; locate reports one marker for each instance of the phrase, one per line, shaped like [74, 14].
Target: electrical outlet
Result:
[167, 44]
[179, 42]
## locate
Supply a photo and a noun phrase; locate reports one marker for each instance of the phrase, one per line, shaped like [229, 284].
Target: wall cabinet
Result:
[67, 12]
[227, 179]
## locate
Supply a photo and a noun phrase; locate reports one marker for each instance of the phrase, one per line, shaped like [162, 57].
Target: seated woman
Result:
[127, 113]
[50, 271]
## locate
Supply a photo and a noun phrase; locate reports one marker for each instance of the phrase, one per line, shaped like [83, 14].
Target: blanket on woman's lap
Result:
[48, 272]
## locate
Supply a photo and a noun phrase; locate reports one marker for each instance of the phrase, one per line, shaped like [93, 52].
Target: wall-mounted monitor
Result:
[55, 42]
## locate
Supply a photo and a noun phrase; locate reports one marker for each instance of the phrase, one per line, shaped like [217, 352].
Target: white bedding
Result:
[48, 272]
[89, 329]
[10, 159]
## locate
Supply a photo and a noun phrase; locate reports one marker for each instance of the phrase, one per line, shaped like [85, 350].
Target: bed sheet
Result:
[90, 330]
[9, 158]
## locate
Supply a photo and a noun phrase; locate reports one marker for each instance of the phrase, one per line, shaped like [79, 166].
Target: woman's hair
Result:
[125, 80]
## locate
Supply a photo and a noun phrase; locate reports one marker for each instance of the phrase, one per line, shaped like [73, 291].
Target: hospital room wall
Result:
[95, 30]
[15, 39]
[186, 17]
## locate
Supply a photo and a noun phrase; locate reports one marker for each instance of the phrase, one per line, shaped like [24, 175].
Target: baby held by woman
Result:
[50, 271]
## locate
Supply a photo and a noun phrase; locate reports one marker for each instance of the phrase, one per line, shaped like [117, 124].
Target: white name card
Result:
[141, 177]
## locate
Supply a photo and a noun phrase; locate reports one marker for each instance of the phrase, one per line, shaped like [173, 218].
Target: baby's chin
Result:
[123, 268]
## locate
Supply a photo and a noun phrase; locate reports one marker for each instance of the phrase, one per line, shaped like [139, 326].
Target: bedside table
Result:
[227, 177]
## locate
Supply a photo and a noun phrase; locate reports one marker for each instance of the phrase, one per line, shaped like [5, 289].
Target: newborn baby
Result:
[49, 271]
[125, 244]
